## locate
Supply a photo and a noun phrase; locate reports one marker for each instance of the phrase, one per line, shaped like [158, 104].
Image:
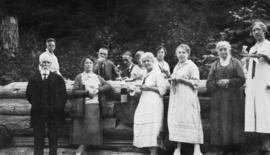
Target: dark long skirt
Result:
[227, 117]
[88, 130]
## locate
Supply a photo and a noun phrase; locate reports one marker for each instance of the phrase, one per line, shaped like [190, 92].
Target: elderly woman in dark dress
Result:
[227, 109]
[88, 130]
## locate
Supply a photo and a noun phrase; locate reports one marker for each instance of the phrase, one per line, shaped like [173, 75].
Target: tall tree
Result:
[9, 35]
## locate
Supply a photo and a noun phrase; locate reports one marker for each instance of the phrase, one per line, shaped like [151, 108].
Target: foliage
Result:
[237, 31]
[241, 19]
[82, 27]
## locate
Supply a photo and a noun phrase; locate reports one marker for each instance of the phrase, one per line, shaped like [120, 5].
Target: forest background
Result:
[81, 27]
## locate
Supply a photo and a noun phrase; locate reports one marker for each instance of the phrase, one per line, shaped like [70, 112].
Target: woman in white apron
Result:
[257, 109]
[148, 118]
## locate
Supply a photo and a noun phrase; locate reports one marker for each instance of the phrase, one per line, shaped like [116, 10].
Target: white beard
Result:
[44, 70]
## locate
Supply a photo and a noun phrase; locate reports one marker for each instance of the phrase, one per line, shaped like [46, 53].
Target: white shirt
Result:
[164, 65]
[139, 72]
[91, 83]
[44, 74]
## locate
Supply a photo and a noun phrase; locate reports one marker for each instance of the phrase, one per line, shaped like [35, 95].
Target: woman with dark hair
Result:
[227, 109]
[87, 129]
[162, 64]
[257, 108]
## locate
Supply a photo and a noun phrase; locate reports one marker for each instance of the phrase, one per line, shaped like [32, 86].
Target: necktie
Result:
[44, 76]
[129, 71]
[101, 70]
[253, 69]
[144, 80]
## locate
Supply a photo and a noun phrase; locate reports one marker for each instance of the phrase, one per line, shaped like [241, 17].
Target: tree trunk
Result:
[9, 35]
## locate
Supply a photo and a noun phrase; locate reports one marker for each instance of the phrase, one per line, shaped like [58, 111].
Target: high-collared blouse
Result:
[91, 83]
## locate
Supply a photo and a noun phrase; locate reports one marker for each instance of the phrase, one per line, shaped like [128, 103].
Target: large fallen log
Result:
[20, 126]
[21, 107]
[15, 110]
[14, 107]
[12, 100]
[30, 151]
[112, 129]
[18, 89]
[118, 84]
[122, 111]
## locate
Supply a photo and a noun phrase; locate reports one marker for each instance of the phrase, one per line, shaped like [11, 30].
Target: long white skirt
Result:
[148, 120]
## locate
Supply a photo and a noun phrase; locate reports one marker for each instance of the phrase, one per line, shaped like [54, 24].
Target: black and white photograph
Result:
[134, 77]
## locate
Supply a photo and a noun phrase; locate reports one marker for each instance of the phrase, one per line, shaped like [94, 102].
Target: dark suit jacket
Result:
[57, 97]
[106, 70]
[127, 71]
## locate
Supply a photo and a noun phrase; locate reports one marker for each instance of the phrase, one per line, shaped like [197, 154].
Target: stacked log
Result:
[117, 117]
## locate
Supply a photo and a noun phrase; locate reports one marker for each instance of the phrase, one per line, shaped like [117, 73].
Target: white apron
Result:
[257, 107]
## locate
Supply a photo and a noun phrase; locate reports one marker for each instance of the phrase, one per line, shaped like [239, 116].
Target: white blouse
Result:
[91, 83]
[138, 72]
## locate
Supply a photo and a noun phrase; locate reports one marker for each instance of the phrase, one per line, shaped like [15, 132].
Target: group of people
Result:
[230, 116]
[184, 121]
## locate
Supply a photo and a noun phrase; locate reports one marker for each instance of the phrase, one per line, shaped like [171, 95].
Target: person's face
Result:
[88, 65]
[181, 54]
[148, 63]
[223, 52]
[258, 32]
[138, 59]
[45, 65]
[103, 53]
[160, 54]
[126, 60]
[50, 46]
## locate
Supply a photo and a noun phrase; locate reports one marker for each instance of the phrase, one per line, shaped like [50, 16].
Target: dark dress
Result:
[227, 107]
[88, 130]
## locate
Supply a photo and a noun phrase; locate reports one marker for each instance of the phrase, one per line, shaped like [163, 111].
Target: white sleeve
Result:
[161, 84]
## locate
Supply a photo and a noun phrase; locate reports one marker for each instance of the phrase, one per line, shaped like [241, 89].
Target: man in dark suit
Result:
[46, 91]
[128, 64]
[104, 67]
